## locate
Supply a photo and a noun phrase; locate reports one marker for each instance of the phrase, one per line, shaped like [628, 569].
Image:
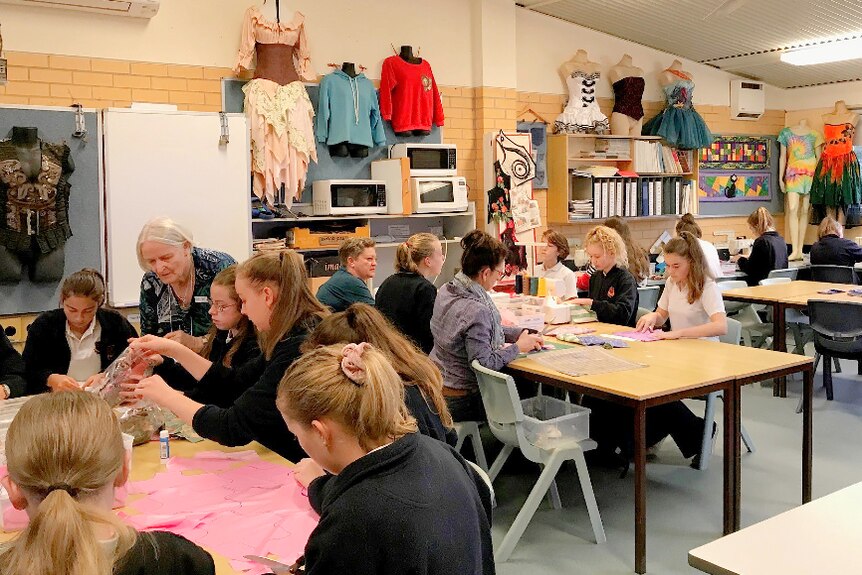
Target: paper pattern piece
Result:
[234, 504]
[638, 335]
[585, 361]
[569, 329]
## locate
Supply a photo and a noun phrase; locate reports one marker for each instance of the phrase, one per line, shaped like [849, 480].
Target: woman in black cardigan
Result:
[98, 335]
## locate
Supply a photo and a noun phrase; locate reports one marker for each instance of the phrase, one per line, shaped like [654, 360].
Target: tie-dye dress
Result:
[801, 159]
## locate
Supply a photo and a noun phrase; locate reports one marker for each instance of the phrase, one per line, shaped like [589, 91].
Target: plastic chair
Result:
[834, 274]
[794, 319]
[648, 297]
[837, 333]
[470, 429]
[789, 273]
[734, 331]
[746, 314]
[506, 419]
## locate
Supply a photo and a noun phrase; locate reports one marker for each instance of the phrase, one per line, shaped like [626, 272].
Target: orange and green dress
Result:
[837, 181]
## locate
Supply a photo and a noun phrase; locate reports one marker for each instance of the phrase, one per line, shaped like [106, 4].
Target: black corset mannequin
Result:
[406, 54]
[345, 149]
[43, 267]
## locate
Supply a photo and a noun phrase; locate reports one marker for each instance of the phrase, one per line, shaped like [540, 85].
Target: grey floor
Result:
[684, 506]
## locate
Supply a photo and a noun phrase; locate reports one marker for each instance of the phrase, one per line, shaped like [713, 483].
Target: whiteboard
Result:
[170, 164]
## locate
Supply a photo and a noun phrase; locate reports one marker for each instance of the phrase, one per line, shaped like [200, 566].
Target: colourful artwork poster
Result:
[732, 186]
[736, 153]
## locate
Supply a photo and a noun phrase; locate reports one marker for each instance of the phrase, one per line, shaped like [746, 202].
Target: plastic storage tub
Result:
[550, 423]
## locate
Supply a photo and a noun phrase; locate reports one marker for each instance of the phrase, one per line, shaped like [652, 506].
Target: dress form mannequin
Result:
[349, 68]
[836, 182]
[580, 61]
[582, 113]
[623, 120]
[406, 54]
[679, 123]
[796, 178]
[271, 10]
[33, 158]
[345, 149]
[673, 73]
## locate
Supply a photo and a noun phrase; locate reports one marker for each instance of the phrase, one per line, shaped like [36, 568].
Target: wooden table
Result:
[146, 463]
[682, 369]
[792, 295]
[819, 537]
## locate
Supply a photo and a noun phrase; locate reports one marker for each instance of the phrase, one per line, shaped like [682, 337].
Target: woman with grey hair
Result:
[175, 289]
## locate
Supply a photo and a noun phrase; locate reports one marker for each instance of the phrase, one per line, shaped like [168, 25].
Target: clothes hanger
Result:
[277, 11]
[536, 115]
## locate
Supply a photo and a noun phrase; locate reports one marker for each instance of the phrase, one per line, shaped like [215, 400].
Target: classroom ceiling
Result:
[744, 37]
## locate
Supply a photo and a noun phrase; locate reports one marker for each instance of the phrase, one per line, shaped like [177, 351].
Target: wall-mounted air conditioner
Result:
[133, 8]
[747, 99]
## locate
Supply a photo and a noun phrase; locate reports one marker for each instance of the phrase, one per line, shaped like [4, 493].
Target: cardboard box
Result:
[322, 265]
[305, 238]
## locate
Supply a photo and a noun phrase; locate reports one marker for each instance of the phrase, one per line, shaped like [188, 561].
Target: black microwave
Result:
[428, 159]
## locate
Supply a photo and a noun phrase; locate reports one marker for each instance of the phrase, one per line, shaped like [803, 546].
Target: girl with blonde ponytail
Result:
[769, 251]
[407, 297]
[397, 496]
[63, 473]
[275, 297]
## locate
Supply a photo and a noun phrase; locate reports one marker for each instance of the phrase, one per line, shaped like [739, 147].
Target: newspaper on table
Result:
[585, 361]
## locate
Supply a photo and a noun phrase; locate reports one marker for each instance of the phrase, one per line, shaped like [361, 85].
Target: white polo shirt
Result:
[683, 314]
[85, 361]
[710, 253]
[561, 272]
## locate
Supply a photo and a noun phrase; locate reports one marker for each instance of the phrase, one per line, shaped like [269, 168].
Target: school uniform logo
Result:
[611, 292]
[426, 83]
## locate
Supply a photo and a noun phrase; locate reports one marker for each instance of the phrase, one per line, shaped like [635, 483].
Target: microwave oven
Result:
[428, 159]
[431, 195]
[348, 197]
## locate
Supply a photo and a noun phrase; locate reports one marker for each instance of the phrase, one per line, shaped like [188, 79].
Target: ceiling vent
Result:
[747, 99]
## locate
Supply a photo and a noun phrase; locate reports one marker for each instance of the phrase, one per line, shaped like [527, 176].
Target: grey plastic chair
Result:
[505, 419]
[789, 273]
[834, 274]
[837, 333]
[470, 429]
[794, 319]
[648, 297]
[734, 332]
[754, 330]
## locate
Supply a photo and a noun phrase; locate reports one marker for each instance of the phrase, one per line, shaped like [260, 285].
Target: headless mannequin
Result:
[345, 149]
[622, 125]
[840, 115]
[43, 267]
[796, 204]
[274, 12]
[580, 61]
[406, 54]
[668, 76]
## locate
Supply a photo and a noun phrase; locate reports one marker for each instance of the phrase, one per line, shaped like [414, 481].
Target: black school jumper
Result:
[164, 553]
[253, 416]
[768, 253]
[615, 296]
[47, 350]
[11, 367]
[414, 507]
[407, 300]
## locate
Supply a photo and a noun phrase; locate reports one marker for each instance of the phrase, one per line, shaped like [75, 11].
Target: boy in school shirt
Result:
[347, 285]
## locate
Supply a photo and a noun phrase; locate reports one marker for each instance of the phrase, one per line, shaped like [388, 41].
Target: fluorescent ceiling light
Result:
[837, 51]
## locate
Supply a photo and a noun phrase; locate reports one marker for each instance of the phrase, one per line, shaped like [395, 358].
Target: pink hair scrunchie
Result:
[351, 361]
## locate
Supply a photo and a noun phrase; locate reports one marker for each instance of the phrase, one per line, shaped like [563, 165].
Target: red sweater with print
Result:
[408, 95]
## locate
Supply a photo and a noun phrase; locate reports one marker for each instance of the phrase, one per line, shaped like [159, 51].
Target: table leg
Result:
[807, 423]
[640, 488]
[731, 459]
[779, 343]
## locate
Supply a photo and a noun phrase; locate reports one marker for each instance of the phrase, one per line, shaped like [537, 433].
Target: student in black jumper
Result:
[275, 297]
[832, 248]
[769, 251]
[65, 458]
[231, 342]
[12, 383]
[390, 500]
[613, 289]
[423, 384]
[407, 297]
[75, 343]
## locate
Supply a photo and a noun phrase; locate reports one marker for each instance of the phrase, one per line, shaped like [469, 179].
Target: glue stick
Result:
[164, 444]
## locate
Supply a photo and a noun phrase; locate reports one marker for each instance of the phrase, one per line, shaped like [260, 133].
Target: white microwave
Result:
[348, 197]
[431, 195]
[428, 159]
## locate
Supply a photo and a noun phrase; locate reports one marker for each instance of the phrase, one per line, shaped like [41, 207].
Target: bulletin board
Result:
[327, 167]
[84, 248]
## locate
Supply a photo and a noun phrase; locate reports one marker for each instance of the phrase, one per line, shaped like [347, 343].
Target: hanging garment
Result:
[348, 111]
[679, 123]
[409, 97]
[837, 181]
[277, 104]
[35, 209]
[628, 93]
[582, 114]
[801, 160]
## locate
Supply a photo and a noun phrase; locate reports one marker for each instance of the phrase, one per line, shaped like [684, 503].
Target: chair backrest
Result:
[834, 274]
[784, 273]
[837, 325]
[774, 281]
[499, 395]
[642, 311]
[734, 332]
[731, 284]
[648, 297]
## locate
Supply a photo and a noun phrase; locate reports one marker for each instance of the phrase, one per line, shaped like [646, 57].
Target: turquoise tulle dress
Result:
[680, 124]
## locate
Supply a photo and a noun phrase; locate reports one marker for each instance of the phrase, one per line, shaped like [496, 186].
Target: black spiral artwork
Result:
[516, 161]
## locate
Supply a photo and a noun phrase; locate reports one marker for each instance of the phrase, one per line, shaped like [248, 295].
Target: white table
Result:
[819, 537]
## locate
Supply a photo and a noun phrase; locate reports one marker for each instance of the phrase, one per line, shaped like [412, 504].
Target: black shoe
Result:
[695, 462]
